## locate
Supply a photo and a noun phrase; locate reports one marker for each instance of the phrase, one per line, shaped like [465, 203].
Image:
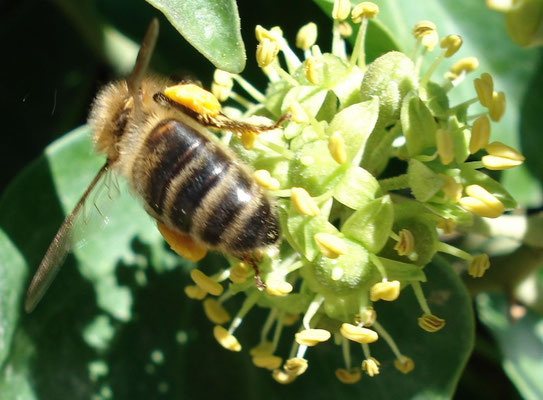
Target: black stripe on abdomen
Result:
[175, 145]
[231, 201]
[212, 166]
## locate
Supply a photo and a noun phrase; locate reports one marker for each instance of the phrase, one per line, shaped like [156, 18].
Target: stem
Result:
[394, 183]
[250, 89]
[420, 297]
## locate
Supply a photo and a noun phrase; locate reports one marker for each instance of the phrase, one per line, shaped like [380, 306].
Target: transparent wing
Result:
[72, 229]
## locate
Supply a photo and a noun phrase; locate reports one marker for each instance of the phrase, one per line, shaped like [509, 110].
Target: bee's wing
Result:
[61, 244]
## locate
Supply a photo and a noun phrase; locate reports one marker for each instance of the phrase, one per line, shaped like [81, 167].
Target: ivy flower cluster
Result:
[350, 239]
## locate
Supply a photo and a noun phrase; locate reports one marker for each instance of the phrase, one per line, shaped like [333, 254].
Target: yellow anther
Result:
[358, 334]
[484, 86]
[404, 364]
[366, 9]
[195, 292]
[445, 147]
[348, 377]
[297, 113]
[447, 225]
[270, 362]
[367, 317]
[195, 98]
[282, 377]
[480, 134]
[423, 28]
[311, 70]
[330, 245]
[262, 349]
[371, 366]
[312, 337]
[295, 366]
[223, 78]
[264, 179]
[497, 106]
[345, 29]
[388, 291]
[336, 145]
[303, 202]
[431, 323]
[478, 265]
[248, 140]
[225, 339]
[262, 33]
[406, 243]
[220, 92]
[480, 202]
[290, 319]
[451, 188]
[215, 312]
[206, 283]
[467, 64]
[341, 9]
[182, 244]
[430, 40]
[501, 157]
[278, 287]
[307, 36]
[451, 44]
[266, 52]
[239, 272]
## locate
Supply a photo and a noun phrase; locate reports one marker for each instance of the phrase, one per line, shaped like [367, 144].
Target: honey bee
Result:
[190, 183]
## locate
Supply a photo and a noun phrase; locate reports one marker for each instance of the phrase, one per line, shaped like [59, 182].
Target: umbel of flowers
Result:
[350, 239]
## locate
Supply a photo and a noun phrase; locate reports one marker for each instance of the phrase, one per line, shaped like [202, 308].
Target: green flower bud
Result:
[390, 77]
[424, 182]
[356, 188]
[418, 125]
[371, 224]
[343, 274]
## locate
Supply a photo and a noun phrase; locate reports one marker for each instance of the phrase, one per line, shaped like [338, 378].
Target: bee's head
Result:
[109, 117]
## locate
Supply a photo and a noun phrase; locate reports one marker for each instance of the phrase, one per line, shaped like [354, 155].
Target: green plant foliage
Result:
[211, 26]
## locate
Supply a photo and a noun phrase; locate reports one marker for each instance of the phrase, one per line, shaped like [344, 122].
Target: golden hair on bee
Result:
[155, 136]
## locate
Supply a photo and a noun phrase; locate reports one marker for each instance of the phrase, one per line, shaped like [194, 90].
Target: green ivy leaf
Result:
[521, 343]
[211, 26]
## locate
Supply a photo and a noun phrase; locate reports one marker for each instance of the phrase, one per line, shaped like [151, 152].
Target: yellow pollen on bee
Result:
[182, 244]
[206, 283]
[225, 339]
[348, 376]
[195, 98]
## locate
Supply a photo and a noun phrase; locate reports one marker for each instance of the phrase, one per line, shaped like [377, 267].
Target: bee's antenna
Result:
[142, 62]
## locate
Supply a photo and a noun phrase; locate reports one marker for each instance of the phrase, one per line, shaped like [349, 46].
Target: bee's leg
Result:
[249, 258]
[221, 121]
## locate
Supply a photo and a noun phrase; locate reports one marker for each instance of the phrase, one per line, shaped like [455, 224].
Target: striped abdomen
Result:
[193, 186]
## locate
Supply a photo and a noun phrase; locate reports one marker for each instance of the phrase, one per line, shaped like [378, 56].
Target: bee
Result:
[189, 182]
